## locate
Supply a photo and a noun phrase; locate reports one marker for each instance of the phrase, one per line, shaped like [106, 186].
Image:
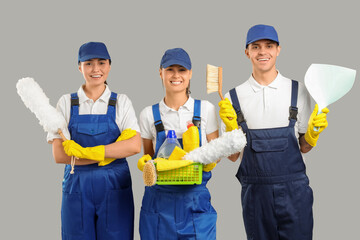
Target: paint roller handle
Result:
[316, 129]
[62, 135]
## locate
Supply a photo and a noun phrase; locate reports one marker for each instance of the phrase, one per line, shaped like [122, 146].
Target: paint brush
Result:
[214, 79]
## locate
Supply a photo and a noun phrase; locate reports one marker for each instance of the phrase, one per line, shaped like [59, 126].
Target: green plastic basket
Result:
[188, 175]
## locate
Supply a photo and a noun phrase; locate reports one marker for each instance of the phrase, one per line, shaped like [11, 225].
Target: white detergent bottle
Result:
[168, 145]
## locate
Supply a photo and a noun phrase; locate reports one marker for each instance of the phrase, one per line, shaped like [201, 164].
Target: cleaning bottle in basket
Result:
[191, 137]
[168, 146]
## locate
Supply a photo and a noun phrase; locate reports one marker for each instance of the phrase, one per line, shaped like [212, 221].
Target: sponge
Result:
[166, 165]
[177, 154]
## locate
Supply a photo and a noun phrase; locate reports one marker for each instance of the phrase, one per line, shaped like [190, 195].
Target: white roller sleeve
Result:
[35, 99]
[227, 144]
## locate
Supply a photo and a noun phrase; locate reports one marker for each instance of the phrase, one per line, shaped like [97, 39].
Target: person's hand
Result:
[126, 134]
[228, 115]
[72, 148]
[209, 167]
[142, 161]
[106, 161]
[316, 124]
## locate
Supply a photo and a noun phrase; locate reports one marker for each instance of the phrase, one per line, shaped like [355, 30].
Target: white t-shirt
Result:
[268, 106]
[177, 120]
[125, 114]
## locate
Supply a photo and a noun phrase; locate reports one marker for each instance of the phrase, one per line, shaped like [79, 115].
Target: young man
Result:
[274, 113]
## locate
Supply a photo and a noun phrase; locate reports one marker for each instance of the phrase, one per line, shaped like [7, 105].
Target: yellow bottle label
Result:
[190, 139]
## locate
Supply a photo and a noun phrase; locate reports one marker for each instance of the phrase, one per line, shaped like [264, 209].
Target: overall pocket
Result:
[205, 225]
[247, 202]
[119, 176]
[201, 202]
[72, 214]
[120, 210]
[304, 206]
[92, 129]
[149, 225]
[204, 216]
[270, 155]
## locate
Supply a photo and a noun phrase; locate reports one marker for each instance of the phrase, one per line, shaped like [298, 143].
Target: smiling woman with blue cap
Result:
[175, 212]
[275, 114]
[97, 198]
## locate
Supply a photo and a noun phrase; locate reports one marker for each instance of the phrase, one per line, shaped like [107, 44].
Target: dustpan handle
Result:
[316, 129]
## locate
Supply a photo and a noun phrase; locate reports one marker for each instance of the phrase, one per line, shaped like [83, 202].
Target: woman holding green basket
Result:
[177, 211]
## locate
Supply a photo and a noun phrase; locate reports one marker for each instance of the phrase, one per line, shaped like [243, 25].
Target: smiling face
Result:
[95, 71]
[263, 54]
[175, 78]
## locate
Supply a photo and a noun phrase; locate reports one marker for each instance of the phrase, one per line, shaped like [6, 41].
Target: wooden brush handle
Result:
[220, 85]
[220, 82]
[62, 135]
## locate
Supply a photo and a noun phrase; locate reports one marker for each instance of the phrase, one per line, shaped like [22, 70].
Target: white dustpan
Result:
[328, 83]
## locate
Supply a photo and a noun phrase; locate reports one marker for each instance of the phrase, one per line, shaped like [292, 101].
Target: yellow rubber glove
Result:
[142, 161]
[316, 121]
[228, 115]
[96, 153]
[209, 167]
[126, 134]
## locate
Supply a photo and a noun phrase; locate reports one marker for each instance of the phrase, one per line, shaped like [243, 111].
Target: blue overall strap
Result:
[236, 104]
[159, 126]
[293, 110]
[197, 117]
[112, 105]
[74, 104]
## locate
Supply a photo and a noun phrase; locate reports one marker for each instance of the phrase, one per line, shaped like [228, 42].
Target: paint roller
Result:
[35, 99]
[226, 145]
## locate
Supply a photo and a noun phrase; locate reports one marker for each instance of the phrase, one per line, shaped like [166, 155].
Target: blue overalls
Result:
[171, 212]
[97, 201]
[276, 197]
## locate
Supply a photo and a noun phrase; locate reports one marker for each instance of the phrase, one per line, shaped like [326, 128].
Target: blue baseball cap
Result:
[176, 56]
[259, 32]
[92, 50]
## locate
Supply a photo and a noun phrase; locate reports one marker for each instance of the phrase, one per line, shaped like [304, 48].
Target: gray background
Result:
[40, 39]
